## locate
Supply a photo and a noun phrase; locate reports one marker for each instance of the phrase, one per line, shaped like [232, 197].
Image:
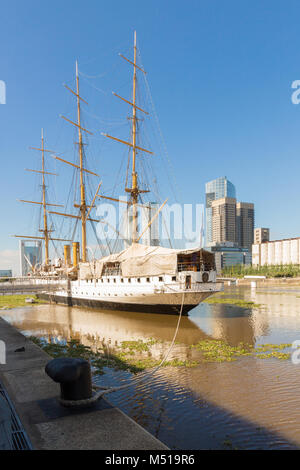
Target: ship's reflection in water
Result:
[248, 404]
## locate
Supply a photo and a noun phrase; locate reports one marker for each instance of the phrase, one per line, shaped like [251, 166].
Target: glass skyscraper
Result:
[216, 189]
[30, 255]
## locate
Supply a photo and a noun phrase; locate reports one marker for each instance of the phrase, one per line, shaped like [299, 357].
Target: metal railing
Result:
[193, 267]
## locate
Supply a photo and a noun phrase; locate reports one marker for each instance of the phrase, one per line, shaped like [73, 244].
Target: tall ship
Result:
[141, 277]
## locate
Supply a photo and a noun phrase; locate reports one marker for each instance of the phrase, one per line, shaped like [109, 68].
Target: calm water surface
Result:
[247, 404]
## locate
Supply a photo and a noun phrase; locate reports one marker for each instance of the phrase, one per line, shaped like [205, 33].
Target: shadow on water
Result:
[210, 427]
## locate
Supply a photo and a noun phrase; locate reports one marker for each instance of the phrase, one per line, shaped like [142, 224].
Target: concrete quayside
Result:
[39, 422]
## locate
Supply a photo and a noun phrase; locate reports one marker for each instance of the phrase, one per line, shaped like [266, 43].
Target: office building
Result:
[30, 255]
[245, 224]
[228, 221]
[223, 220]
[217, 189]
[229, 254]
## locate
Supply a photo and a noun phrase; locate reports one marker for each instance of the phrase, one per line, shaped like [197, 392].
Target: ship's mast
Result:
[134, 184]
[46, 232]
[134, 190]
[84, 208]
[82, 187]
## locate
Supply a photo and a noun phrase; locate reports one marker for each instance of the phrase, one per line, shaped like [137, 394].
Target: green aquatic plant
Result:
[274, 354]
[135, 356]
[228, 301]
[220, 351]
[139, 345]
[268, 347]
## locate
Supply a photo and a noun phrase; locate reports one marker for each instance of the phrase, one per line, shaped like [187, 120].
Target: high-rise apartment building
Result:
[224, 220]
[245, 224]
[217, 189]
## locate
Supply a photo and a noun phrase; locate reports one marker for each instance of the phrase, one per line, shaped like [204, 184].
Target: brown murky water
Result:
[247, 404]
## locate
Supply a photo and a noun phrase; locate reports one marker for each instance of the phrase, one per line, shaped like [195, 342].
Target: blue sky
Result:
[220, 75]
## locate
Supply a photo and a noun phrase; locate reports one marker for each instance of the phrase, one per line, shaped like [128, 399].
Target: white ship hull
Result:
[149, 295]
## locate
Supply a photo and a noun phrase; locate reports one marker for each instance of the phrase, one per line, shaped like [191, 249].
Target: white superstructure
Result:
[144, 278]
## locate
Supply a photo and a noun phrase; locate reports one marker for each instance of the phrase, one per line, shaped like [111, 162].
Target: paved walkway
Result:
[50, 426]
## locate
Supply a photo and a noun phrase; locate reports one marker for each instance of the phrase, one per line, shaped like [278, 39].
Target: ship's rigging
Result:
[134, 186]
[46, 231]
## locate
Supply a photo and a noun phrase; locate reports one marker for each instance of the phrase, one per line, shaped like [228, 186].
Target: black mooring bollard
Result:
[74, 376]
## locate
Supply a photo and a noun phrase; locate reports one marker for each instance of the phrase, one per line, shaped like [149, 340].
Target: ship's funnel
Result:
[67, 255]
[76, 255]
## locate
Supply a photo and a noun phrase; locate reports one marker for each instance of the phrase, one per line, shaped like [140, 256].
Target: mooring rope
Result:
[100, 391]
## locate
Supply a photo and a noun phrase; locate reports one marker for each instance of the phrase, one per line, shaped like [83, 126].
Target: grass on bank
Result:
[278, 271]
[135, 356]
[13, 301]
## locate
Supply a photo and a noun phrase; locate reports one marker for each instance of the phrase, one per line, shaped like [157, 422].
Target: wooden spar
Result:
[72, 216]
[133, 63]
[75, 94]
[129, 102]
[42, 238]
[42, 172]
[73, 164]
[41, 150]
[126, 143]
[92, 204]
[77, 125]
[129, 203]
[41, 203]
